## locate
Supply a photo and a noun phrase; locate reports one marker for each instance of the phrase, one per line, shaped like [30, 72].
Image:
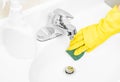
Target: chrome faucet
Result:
[58, 23]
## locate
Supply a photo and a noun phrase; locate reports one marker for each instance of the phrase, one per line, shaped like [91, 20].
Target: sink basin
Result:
[48, 60]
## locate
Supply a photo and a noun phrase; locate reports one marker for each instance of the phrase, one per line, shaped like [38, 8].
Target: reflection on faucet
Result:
[58, 23]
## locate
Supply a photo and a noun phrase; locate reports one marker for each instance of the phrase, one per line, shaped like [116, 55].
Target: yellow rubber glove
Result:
[92, 36]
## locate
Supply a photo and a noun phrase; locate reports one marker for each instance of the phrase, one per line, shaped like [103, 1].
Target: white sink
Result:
[49, 59]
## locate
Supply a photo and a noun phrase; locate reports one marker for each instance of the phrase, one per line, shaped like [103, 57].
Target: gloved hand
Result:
[92, 36]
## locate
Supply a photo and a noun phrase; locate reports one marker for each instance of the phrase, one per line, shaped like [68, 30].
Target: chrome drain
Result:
[69, 70]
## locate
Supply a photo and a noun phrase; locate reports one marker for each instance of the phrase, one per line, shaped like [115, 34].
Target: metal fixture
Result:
[69, 70]
[58, 23]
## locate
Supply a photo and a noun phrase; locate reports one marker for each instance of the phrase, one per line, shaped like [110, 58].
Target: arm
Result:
[88, 38]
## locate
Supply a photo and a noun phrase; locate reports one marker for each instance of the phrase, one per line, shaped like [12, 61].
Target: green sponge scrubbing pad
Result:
[71, 53]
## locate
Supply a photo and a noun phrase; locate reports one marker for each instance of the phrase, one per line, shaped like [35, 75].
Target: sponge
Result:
[71, 53]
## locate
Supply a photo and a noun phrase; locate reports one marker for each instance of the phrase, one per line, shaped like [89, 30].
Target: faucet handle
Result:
[63, 13]
[58, 15]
